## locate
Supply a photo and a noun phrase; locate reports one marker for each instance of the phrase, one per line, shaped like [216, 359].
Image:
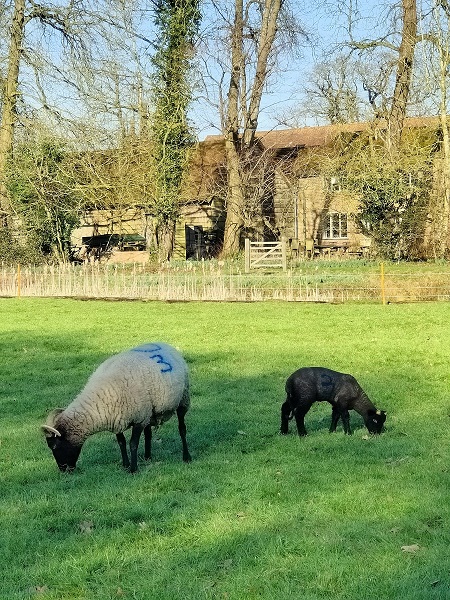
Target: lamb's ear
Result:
[49, 431]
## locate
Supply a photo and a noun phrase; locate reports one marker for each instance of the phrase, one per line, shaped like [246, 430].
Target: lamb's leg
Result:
[148, 442]
[335, 416]
[123, 449]
[181, 411]
[134, 445]
[285, 414]
[346, 421]
[300, 420]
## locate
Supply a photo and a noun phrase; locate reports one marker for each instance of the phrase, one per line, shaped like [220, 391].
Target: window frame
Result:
[335, 221]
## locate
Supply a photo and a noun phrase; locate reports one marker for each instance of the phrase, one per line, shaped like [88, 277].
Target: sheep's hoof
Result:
[187, 458]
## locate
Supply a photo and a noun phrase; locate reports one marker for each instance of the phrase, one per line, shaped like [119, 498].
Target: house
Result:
[289, 196]
[299, 197]
[198, 230]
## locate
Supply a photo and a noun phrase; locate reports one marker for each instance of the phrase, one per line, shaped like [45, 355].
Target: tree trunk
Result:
[171, 136]
[265, 44]
[240, 136]
[10, 103]
[165, 236]
[233, 222]
[235, 201]
[404, 74]
[444, 229]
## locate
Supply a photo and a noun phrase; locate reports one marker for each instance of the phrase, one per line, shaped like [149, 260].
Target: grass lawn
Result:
[255, 515]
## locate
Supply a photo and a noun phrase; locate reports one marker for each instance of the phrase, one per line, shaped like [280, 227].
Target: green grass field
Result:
[255, 515]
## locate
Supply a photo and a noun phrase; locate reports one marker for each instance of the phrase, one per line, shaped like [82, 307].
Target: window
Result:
[335, 226]
[334, 184]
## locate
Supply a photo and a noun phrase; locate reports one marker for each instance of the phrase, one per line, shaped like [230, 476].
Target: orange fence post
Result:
[383, 293]
[18, 280]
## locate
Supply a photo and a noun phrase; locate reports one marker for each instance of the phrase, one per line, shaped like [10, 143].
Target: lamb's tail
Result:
[291, 414]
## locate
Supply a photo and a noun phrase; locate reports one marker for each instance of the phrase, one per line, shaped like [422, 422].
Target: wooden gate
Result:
[265, 254]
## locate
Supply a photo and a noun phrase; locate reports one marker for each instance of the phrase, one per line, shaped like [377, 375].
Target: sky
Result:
[326, 28]
[325, 25]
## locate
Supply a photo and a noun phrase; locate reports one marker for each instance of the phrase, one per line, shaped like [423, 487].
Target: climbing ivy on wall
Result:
[177, 24]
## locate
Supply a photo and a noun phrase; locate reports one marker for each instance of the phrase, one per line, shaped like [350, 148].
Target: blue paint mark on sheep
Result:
[326, 380]
[150, 349]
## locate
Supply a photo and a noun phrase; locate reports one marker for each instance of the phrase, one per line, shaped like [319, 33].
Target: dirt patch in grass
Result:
[128, 256]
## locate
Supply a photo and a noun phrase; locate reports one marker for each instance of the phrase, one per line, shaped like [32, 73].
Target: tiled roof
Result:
[311, 137]
[305, 137]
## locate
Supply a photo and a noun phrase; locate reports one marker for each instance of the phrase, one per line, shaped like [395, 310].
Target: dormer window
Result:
[334, 184]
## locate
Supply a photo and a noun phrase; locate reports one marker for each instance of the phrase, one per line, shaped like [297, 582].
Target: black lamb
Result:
[343, 392]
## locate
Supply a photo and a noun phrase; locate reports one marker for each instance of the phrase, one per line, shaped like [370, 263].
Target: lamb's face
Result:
[375, 421]
[65, 453]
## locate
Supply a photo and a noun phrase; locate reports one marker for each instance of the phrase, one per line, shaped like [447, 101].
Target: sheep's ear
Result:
[49, 431]
[52, 416]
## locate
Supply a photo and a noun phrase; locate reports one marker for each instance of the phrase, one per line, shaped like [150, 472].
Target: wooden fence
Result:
[265, 255]
[208, 281]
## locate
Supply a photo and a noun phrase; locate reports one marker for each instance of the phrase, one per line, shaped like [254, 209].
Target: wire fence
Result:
[137, 281]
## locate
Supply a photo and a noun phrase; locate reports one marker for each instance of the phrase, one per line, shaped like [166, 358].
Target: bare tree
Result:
[403, 43]
[60, 20]
[90, 90]
[254, 34]
[330, 94]
[9, 102]
[436, 40]
[404, 72]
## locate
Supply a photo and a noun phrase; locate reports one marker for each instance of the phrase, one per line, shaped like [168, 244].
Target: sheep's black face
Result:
[65, 453]
[375, 421]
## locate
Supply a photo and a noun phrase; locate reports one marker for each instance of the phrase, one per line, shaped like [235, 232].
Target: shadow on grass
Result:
[224, 523]
[228, 414]
[178, 543]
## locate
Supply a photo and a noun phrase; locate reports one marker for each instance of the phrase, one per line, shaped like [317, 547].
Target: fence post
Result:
[383, 293]
[18, 280]
[247, 256]
[283, 253]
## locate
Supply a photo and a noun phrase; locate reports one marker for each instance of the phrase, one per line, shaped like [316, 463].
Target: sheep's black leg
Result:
[346, 421]
[300, 420]
[134, 444]
[335, 416]
[148, 442]
[181, 411]
[285, 414]
[123, 449]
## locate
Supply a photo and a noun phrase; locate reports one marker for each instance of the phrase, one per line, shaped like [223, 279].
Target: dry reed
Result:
[213, 283]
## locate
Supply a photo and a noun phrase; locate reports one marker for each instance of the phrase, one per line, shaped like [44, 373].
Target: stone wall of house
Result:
[302, 205]
[284, 206]
[109, 221]
[207, 216]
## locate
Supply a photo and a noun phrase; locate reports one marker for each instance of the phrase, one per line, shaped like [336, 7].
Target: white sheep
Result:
[138, 388]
